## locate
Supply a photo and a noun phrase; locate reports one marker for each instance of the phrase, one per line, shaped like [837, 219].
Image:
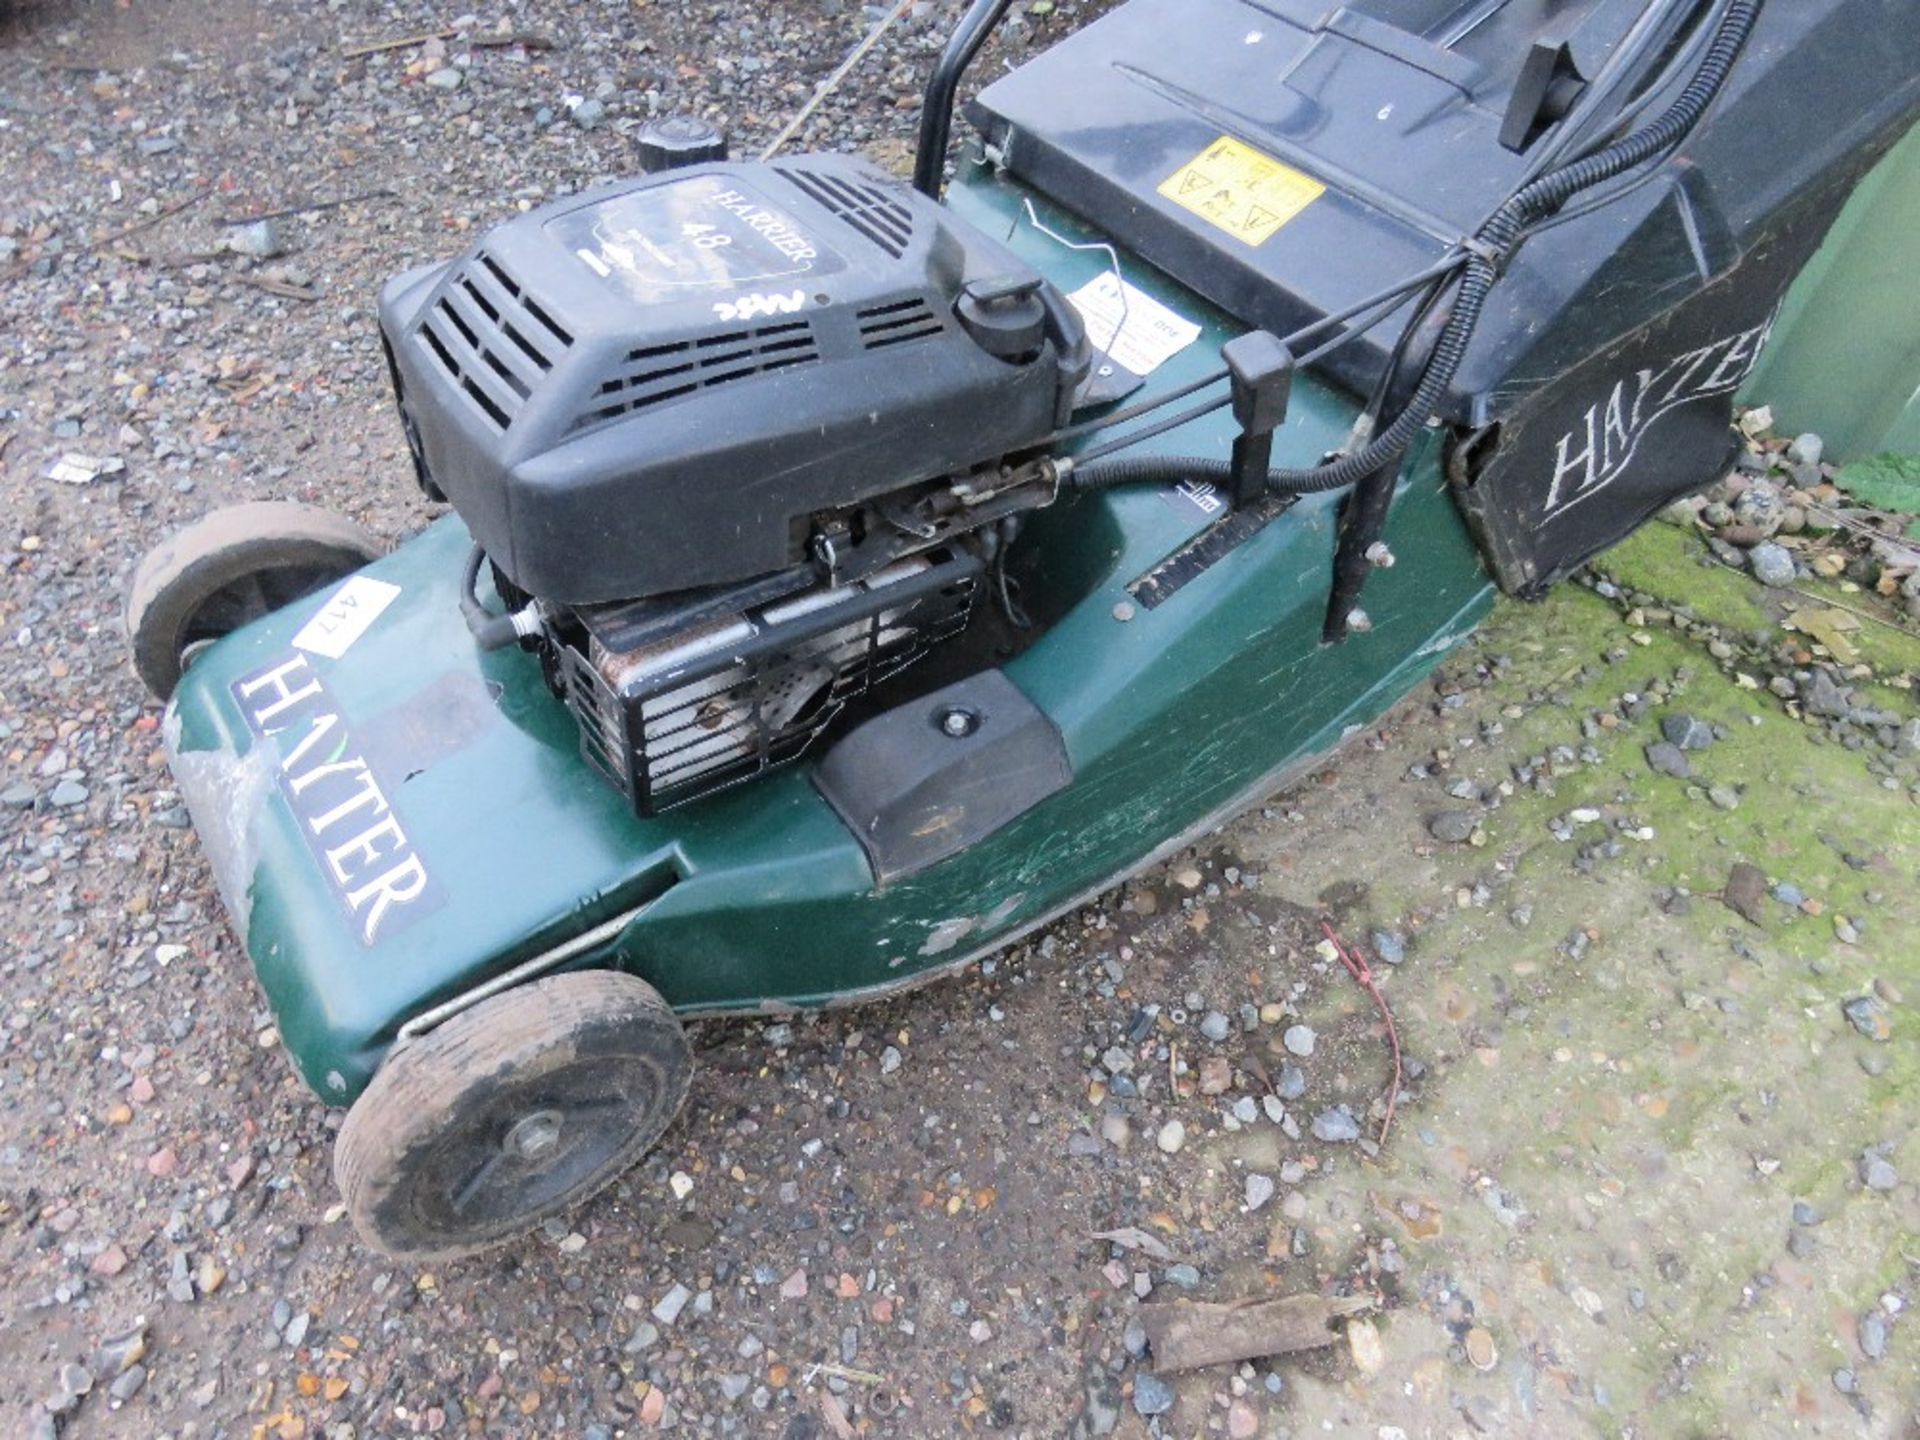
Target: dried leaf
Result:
[1132, 1237]
[1363, 1339]
[1193, 1334]
[1830, 627]
[835, 1414]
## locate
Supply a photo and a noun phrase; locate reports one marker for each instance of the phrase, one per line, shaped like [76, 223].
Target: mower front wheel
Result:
[229, 568]
[514, 1111]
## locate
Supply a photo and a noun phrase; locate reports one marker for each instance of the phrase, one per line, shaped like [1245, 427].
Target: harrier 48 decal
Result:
[670, 241]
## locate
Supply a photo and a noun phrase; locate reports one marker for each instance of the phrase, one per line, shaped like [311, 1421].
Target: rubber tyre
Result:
[231, 567]
[441, 1113]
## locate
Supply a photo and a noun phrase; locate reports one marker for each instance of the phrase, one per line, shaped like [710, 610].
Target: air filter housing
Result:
[662, 384]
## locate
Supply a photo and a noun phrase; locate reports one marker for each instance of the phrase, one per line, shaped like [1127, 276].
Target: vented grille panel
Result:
[884, 220]
[770, 688]
[492, 339]
[897, 322]
[655, 373]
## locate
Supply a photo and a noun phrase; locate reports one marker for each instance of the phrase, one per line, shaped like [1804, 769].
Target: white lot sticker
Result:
[1149, 333]
[345, 617]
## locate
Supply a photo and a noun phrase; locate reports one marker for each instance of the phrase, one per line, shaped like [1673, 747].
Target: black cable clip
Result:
[1493, 255]
[1260, 369]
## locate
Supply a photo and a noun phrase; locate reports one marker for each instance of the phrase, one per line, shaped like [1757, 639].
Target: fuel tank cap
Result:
[671, 141]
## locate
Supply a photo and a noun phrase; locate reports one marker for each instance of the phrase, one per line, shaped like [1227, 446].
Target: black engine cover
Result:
[657, 385]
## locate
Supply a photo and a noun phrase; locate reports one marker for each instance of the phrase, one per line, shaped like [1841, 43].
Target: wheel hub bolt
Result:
[534, 1136]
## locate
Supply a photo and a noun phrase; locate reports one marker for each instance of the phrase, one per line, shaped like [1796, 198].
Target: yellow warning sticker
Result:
[1245, 193]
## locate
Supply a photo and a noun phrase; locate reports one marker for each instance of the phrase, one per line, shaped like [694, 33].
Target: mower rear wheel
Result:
[514, 1111]
[229, 568]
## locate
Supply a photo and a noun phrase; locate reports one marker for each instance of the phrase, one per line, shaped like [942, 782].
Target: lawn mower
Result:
[843, 578]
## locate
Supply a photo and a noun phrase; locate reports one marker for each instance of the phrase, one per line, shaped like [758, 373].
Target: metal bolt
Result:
[956, 723]
[1379, 554]
[534, 1136]
[1123, 612]
[1359, 621]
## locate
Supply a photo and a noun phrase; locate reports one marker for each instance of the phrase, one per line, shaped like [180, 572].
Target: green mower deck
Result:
[408, 827]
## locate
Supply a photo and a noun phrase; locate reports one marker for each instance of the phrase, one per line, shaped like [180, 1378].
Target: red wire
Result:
[1357, 967]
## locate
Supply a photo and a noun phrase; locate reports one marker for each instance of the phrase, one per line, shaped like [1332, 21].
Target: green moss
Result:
[1763, 1069]
[1676, 567]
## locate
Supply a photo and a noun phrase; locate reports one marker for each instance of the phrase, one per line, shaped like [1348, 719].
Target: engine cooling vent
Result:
[897, 322]
[729, 699]
[656, 373]
[865, 208]
[493, 340]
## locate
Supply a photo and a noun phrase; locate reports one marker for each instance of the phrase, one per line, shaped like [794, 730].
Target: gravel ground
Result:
[879, 1222]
